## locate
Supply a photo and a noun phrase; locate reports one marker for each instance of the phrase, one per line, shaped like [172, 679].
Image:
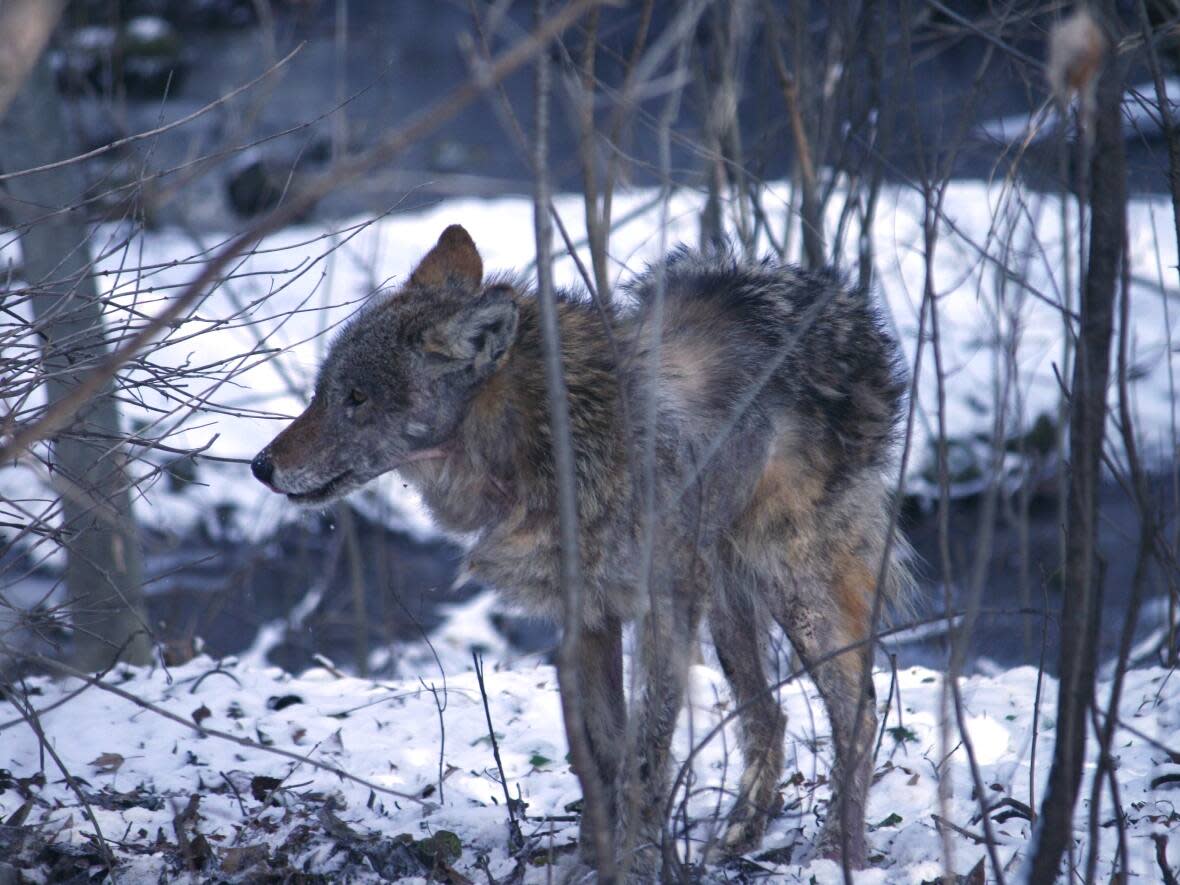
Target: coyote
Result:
[732, 425]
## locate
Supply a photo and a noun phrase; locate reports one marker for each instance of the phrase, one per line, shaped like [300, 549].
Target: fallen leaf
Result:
[107, 762]
[262, 787]
[283, 702]
[242, 857]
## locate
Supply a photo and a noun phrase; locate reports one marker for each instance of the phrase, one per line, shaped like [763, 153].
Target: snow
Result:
[999, 271]
[1141, 118]
[148, 29]
[388, 734]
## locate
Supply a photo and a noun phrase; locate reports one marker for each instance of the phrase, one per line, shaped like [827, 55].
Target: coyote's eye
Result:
[356, 397]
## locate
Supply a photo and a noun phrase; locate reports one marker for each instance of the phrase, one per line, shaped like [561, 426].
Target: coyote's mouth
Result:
[325, 492]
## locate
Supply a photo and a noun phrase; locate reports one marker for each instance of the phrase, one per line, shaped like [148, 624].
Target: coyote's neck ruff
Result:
[497, 477]
[731, 429]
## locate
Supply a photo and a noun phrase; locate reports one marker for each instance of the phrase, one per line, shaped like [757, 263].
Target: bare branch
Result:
[25, 26]
[568, 657]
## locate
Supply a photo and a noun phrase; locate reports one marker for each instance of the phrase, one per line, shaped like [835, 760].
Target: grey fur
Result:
[785, 519]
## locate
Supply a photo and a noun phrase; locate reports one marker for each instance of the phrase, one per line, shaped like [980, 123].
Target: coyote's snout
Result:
[769, 403]
[398, 379]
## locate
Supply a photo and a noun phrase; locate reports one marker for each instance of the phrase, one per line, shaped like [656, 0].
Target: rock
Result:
[255, 185]
[153, 62]
[448, 155]
[79, 60]
[215, 14]
[145, 57]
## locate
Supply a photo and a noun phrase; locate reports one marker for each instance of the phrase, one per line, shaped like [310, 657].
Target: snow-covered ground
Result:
[1002, 266]
[139, 771]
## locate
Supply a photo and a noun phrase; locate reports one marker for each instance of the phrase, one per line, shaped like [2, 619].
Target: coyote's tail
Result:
[899, 588]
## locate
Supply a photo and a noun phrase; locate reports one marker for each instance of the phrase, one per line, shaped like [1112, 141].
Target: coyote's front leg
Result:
[667, 632]
[600, 692]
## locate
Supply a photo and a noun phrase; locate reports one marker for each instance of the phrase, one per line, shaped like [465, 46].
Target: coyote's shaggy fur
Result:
[767, 399]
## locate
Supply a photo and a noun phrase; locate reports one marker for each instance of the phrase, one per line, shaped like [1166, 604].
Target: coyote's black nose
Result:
[262, 467]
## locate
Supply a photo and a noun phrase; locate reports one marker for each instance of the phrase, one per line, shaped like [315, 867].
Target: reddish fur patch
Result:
[454, 257]
[852, 587]
[488, 403]
[787, 488]
[300, 436]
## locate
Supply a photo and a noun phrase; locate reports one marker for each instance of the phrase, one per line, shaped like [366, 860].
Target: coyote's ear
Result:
[481, 333]
[453, 258]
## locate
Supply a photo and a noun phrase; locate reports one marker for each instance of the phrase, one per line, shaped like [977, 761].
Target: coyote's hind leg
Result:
[828, 627]
[739, 634]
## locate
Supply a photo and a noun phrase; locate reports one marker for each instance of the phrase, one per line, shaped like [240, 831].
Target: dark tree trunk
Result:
[104, 568]
[1082, 591]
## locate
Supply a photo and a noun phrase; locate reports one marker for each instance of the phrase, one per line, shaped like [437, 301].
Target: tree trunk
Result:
[104, 566]
[1081, 602]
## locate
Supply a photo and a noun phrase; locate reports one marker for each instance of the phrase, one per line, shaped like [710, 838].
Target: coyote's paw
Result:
[746, 825]
[743, 836]
[578, 872]
[832, 845]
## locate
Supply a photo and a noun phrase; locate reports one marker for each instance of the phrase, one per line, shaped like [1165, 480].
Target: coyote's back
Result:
[792, 342]
[799, 363]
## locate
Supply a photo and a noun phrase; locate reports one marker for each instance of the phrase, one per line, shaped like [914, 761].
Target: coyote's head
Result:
[398, 379]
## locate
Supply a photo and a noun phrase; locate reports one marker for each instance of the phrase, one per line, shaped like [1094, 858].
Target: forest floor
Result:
[227, 771]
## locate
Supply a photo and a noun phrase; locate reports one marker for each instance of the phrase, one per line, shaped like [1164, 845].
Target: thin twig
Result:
[515, 836]
[1161, 858]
